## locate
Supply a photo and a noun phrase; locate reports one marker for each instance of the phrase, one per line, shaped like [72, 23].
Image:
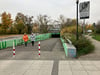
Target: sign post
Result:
[77, 5]
[94, 28]
[84, 9]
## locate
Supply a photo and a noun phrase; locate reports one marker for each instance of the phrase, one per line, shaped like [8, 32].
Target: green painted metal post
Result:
[15, 42]
[5, 44]
[0, 45]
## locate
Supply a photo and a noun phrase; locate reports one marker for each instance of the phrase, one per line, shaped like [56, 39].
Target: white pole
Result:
[39, 48]
[13, 49]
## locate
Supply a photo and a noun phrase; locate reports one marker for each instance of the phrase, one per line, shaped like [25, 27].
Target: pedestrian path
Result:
[45, 67]
[95, 43]
[79, 68]
[51, 49]
[96, 54]
[25, 67]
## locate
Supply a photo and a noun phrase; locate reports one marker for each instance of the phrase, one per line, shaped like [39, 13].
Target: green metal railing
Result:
[19, 41]
[70, 50]
[64, 45]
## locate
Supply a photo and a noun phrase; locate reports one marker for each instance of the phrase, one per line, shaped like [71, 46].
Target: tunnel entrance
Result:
[55, 35]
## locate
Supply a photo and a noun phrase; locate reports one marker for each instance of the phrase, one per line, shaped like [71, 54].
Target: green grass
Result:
[96, 37]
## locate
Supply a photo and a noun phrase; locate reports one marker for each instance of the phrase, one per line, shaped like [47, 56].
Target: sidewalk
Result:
[45, 67]
[79, 68]
[96, 54]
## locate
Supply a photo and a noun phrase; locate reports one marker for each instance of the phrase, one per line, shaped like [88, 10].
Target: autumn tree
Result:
[27, 21]
[0, 29]
[13, 30]
[70, 29]
[6, 22]
[89, 27]
[35, 28]
[19, 26]
[43, 21]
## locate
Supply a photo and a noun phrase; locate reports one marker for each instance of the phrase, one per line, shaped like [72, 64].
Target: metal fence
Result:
[19, 41]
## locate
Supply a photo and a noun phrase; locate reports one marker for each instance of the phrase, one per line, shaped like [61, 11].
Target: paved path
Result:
[50, 49]
[96, 54]
[51, 62]
[45, 67]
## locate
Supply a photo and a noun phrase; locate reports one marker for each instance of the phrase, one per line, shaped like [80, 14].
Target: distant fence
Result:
[19, 41]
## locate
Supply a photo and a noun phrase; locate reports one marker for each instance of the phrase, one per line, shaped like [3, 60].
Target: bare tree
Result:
[29, 23]
[43, 21]
[66, 21]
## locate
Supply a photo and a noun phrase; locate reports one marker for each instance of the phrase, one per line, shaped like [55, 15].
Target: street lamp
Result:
[77, 36]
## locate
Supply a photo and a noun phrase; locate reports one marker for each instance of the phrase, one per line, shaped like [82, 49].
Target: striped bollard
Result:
[39, 48]
[13, 49]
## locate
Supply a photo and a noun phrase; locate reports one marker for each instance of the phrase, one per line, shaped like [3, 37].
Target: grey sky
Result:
[52, 8]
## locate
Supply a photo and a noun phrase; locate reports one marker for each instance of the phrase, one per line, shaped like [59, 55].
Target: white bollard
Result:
[13, 49]
[39, 48]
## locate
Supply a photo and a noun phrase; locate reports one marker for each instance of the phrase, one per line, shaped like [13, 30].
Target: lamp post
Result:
[77, 36]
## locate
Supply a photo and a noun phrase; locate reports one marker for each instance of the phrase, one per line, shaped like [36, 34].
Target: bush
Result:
[83, 45]
[98, 27]
[98, 31]
[96, 37]
[71, 30]
[2, 31]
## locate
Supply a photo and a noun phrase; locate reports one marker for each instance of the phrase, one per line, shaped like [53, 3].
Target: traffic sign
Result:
[84, 9]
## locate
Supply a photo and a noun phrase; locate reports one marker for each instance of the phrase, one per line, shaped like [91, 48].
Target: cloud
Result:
[52, 8]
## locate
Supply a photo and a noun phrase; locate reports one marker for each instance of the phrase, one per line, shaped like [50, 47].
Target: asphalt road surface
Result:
[51, 49]
[51, 62]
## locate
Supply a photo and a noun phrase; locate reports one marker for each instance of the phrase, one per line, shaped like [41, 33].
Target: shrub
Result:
[98, 30]
[2, 31]
[98, 27]
[83, 45]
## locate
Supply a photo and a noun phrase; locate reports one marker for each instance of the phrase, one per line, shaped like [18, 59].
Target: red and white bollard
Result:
[39, 48]
[13, 49]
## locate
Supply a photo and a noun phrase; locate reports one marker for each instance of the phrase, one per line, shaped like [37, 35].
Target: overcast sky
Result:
[52, 8]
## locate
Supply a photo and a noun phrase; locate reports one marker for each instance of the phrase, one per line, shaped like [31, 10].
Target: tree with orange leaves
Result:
[6, 21]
